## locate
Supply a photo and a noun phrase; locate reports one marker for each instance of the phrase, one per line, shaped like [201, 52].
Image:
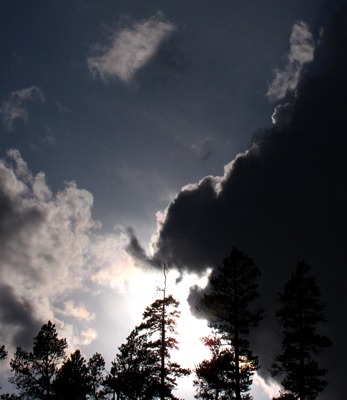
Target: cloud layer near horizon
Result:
[285, 198]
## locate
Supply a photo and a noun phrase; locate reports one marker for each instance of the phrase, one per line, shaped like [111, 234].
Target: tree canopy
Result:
[300, 314]
[227, 307]
[214, 378]
[34, 372]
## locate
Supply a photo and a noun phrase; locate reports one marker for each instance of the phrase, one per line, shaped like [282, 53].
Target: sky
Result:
[134, 133]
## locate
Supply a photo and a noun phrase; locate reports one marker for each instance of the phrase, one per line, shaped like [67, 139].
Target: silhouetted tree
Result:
[34, 372]
[3, 352]
[215, 377]
[227, 307]
[72, 381]
[96, 371]
[10, 396]
[143, 368]
[299, 314]
[159, 328]
[131, 372]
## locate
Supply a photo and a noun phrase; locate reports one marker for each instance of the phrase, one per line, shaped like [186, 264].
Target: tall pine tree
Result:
[143, 368]
[227, 308]
[300, 313]
[159, 327]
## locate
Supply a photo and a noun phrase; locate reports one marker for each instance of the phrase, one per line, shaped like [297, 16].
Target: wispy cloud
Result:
[78, 311]
[204, 149]
[130, 49]
[14, 106]
[301, 52]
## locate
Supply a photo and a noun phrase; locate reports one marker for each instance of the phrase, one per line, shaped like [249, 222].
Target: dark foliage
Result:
[215, 377]
[159, 328]
[300, 313]
[227, 307]
[96, 372]
[138, 372]
[72, 381]
[131, 372]
[3, 352]
[34, 372]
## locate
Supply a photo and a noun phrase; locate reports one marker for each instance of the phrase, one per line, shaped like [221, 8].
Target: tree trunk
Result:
[162, 372]
[237, 367]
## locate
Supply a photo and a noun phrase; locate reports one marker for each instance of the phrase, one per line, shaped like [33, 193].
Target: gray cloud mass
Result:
[17, 316]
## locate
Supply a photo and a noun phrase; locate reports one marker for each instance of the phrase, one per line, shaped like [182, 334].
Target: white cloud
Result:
[51, 249]
[282, 115]
[14, 107]
[301, 52]
[271, 388]
[88, 336]
[130, 49]
[78, 311]
[76, 337]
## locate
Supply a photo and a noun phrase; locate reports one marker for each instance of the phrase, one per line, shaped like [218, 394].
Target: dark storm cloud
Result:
[16, 221]
[137, 251]
[282, 200]
[18, 315]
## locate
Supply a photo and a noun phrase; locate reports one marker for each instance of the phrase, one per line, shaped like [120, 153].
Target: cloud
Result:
[51, 250]
[77, 311]
[88, 336]
[14, 107]
[17, 316]
[282, 115]
[131, 48]
[204, 149]
[301, 52]
[272, 389]
[282, 200]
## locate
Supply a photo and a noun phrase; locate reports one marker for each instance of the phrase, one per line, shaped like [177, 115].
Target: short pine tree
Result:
[34, 372]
